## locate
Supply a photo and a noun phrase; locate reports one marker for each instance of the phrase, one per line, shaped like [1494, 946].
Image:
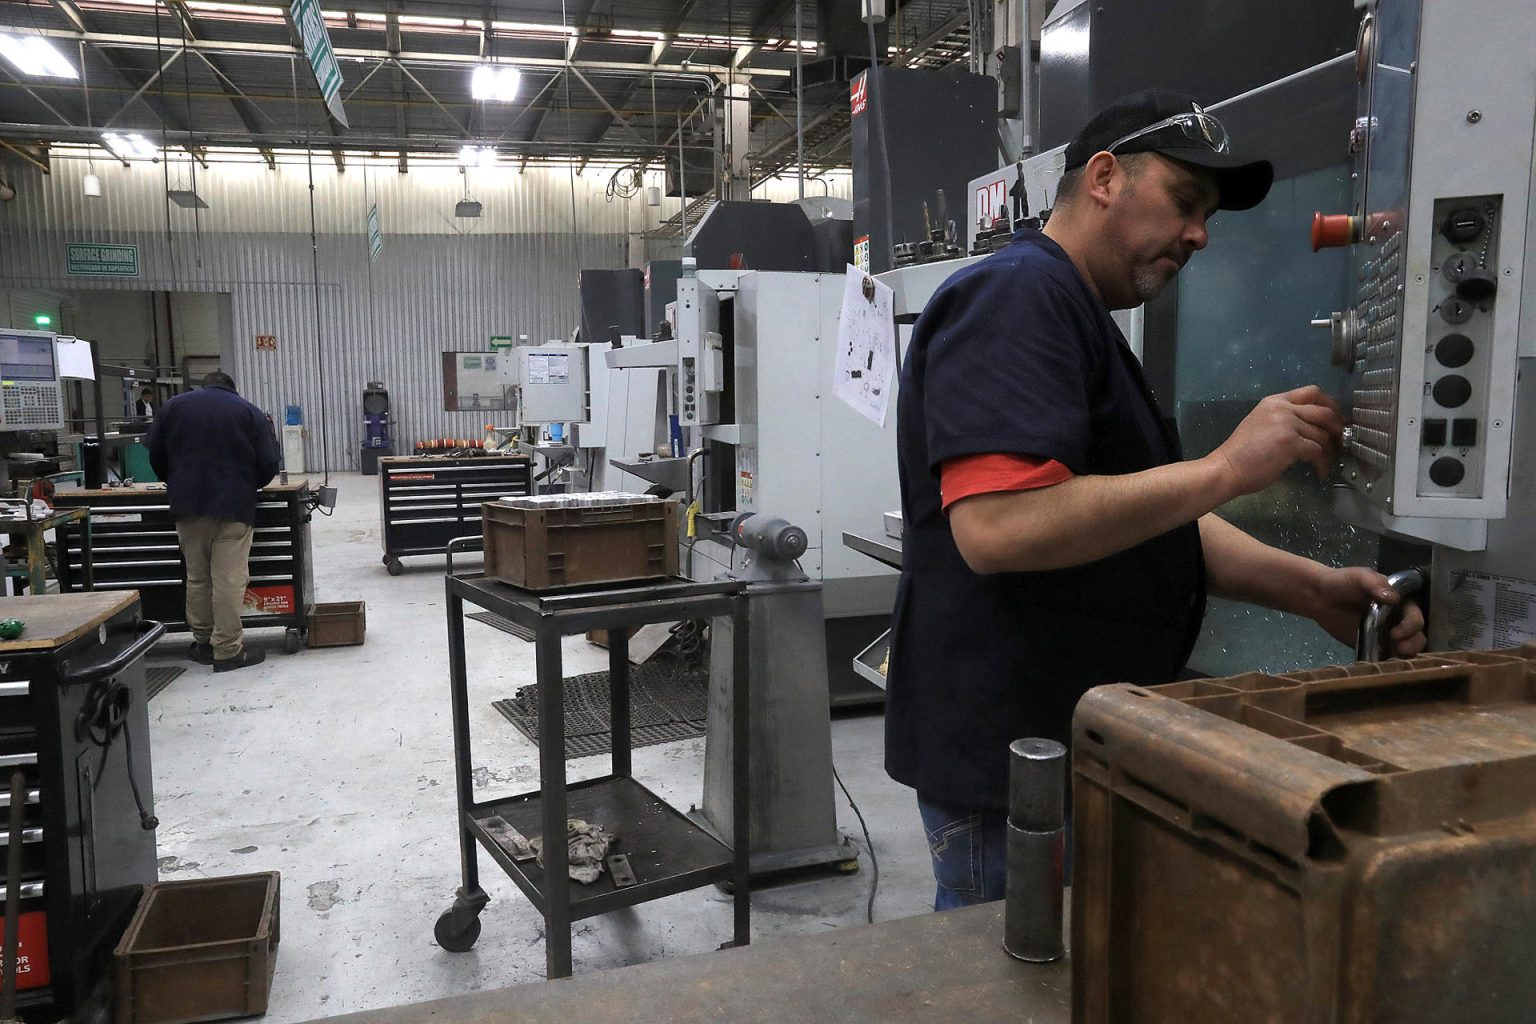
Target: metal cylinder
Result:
[1037, 778]
[1037, 835]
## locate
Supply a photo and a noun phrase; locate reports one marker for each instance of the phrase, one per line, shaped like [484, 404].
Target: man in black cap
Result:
[1055, 538]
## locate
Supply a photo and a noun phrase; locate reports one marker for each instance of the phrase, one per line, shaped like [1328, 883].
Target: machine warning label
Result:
[1490, 611]
[861, 253]
[549, 368]
[270, 601]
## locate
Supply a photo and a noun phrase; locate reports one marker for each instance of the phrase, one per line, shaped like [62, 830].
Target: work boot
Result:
[200, 652]
[244, 658]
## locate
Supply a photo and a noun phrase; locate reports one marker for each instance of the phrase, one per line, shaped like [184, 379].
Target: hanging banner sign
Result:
[322, 59]
[375, 234]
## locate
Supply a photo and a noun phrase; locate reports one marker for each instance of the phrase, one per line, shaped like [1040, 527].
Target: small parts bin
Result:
[337, 624]
[538, 548]
[199, 950]
[1352, 844]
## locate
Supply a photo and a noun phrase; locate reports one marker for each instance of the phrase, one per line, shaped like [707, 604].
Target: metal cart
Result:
[134, 547]
[73, 721]
[667, 852]
[427, 501]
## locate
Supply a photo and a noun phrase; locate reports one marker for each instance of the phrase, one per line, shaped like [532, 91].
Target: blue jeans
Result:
[969, 847]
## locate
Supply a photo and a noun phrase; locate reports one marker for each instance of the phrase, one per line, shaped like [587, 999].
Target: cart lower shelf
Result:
[667, 852]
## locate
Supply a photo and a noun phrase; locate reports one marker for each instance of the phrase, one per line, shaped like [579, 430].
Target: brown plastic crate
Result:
[337, 624]
[199, 950]
[543, 548]
[1353, 845]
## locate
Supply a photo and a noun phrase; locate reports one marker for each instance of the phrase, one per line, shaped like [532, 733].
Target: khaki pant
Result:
[218, 553]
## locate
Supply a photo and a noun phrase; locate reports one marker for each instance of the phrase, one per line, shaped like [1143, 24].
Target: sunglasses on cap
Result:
[1196, 126]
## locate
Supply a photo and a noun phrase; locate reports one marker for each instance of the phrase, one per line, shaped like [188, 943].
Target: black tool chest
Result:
[72, 707]
[427, 501]
[134, 547]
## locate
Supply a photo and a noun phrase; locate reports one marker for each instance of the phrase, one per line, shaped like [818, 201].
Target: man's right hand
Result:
[1299, 426]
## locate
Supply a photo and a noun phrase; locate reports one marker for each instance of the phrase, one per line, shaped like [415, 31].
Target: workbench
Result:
[426, 501]
[930, 968]
[133, 546]
[33, 530]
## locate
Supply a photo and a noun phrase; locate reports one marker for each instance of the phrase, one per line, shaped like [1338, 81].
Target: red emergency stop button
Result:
[1330, 230]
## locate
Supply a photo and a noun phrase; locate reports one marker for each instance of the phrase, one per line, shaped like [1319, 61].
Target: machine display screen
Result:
[23, 357]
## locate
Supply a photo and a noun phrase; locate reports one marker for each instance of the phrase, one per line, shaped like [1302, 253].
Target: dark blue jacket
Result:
[1016, 355]
[215, 451]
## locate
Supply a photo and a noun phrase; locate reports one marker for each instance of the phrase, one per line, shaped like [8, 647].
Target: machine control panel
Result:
[29, 379]
[700, 354]
[1437, 233]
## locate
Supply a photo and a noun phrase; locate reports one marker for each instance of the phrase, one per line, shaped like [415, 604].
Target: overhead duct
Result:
[842, 50]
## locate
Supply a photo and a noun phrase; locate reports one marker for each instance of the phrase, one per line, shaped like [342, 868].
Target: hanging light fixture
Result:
[495, 83]
[477, 156]
[90, 185]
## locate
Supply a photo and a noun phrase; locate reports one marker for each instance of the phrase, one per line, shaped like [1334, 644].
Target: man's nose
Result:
[1196, 235]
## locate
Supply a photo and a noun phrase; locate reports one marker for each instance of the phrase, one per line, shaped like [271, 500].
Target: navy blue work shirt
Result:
[1016, 355]
[215, 451]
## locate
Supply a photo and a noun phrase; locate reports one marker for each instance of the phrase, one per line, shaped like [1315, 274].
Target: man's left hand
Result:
[1342, 597]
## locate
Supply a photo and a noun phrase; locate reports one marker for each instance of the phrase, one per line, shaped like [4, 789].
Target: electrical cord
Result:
[626, 182]
[869, 847]
[103, 717]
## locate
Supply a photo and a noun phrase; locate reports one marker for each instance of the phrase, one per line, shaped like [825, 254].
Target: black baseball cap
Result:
[1175, 126]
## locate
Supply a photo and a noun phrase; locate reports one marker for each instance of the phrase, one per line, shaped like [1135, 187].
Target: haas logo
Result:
[859, 94]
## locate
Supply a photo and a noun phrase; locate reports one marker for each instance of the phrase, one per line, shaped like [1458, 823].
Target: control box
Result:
[1437, 233]
[552, 384]
[700, 354]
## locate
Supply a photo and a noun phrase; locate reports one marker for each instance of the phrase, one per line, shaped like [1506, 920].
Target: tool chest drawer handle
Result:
[148, 634]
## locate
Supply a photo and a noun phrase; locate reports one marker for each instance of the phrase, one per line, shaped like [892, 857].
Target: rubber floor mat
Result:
[158, 677]
[504, 624]
[666, 703]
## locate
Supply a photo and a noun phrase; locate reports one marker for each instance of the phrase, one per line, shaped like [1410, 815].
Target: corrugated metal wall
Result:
[442, 282]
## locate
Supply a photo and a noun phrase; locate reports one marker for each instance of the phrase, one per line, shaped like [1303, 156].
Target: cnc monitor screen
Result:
[27, 357]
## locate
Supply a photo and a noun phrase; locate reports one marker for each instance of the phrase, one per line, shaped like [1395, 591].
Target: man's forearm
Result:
[1244, 569]
[1083, 519]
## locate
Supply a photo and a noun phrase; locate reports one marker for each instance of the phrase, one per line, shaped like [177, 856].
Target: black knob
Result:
[1454, 350]
[1463, 226]
[1452, 391]
[1447, 472]
[1478, 285]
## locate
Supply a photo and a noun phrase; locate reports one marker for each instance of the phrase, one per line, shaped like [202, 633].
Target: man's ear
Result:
[1100, 176]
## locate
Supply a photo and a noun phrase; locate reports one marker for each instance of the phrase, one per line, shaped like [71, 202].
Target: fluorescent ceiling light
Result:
[477, 156]
[130, 146]
[495, 82]
[36, 56]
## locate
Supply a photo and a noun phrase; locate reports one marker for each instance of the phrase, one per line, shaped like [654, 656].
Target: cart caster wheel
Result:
[394, 566]
[455, 940]
[293, 640]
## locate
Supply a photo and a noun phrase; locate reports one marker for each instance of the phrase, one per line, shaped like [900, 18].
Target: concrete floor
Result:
[334, 766]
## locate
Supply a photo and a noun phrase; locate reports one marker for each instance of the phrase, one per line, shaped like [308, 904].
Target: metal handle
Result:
[149, 633]
[474, 542]
[1380, 617]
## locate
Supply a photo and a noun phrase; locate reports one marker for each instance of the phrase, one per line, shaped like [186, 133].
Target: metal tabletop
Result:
[930, 968]
[881, 549]
[577, 609]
